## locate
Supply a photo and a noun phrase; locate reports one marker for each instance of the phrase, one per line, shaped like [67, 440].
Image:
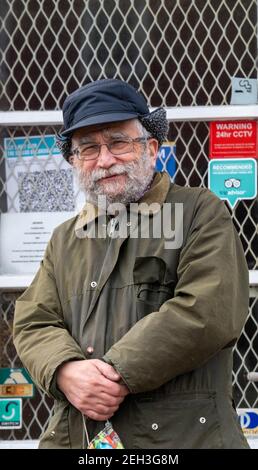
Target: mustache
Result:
[89, 179]
[114, 170]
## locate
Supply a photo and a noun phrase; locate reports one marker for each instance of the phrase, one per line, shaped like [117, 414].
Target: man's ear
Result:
[153, 149]
[71, 160]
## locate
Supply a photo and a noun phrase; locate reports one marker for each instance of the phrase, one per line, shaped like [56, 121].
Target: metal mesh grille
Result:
[178, 53]
[36, 410]
[192, 141]
[245, 360]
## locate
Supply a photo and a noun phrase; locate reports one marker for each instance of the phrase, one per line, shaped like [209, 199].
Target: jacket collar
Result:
[156, 194]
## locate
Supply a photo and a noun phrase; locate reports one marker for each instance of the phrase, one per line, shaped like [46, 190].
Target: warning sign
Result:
[236, 139]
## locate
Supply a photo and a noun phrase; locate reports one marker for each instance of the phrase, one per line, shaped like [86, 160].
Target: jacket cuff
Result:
[120, 372]
[53, 389]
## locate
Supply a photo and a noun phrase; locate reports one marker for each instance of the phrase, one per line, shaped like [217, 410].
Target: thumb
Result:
[108, 371]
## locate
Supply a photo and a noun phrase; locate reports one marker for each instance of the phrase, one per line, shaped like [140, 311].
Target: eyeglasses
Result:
[116, 147]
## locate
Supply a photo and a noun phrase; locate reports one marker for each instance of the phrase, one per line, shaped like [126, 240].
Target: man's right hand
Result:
[92, 387]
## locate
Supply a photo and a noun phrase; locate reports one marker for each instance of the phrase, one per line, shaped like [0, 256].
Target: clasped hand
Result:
[92, 386]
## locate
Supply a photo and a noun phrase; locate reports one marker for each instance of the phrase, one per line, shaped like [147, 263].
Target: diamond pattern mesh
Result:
[178, 53]
[36, 410]
[245, 360]
[192, 140]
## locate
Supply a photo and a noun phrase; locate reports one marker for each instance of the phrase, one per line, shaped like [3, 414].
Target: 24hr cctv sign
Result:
[233, 179]
[236, 139]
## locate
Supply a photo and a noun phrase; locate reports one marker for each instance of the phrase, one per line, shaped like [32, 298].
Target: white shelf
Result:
[212, 113]
[30, 118]
[174, 114]
[15, 282]
[253, 278]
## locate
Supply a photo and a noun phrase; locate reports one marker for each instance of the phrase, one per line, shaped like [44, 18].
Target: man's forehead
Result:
[112, 127]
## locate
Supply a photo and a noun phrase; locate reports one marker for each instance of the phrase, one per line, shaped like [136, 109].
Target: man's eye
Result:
[119, 143]
[89, 148]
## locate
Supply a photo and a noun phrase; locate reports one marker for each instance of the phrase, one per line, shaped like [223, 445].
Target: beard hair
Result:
[139, 175]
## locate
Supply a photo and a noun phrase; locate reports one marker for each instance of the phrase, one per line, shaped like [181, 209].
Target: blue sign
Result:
[166, 158]
[30, 146]
[10, 413]
[248, 418]
[233, 179]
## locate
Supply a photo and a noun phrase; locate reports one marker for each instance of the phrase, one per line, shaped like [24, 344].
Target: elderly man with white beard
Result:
[132, 336]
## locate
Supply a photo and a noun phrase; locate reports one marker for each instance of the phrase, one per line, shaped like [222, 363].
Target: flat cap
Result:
[100, 102]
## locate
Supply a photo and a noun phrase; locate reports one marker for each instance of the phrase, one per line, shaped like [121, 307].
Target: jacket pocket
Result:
[153, 284]
[187, 421]
[56, 435]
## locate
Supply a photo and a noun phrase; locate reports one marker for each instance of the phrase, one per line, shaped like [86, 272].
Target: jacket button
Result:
[202, 420]
[155, 426]
[53, 433]
[90, 350]
[93, 284]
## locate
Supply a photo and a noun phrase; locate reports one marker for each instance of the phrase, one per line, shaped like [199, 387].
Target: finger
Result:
[107, 370]
[111, 388]
[97, 416]
[124, 390]
[104, 410]
[109, 400]
[118, 390]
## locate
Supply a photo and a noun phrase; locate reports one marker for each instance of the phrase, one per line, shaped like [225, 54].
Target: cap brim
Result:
[99, 119]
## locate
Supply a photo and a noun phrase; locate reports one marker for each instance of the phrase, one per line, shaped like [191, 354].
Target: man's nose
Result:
[105, 159]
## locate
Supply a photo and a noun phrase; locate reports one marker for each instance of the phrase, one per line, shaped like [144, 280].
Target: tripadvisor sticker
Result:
[233, 179]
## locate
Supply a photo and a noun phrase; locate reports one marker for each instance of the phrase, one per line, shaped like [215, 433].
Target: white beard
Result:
[139, 175]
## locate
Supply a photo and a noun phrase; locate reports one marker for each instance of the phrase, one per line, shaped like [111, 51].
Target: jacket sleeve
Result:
[40, 336]
[206, 313]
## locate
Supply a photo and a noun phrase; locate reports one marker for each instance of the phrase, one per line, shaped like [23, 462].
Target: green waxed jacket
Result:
[165, 316]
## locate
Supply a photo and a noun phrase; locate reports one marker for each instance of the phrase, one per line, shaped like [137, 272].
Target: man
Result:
[136, 329]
